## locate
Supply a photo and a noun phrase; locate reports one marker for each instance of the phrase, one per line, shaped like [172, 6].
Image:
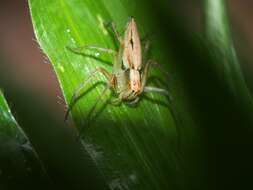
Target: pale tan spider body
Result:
[127, 71]
[127, 79]
[132, 56]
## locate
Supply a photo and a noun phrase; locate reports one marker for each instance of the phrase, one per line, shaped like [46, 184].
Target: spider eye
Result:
[122, 66]
[132, 43]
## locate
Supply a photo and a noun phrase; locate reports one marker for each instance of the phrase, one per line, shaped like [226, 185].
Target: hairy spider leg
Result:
[78, 50]
[156, 64]
[117, 66]
[145, 51]
[155, 89]
[112, 25]
[119, 100]
[145, 88]
[134, 102]
[76, 94]
[93, 109]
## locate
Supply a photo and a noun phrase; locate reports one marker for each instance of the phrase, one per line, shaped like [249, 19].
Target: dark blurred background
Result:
[24, 62]
[29, 68]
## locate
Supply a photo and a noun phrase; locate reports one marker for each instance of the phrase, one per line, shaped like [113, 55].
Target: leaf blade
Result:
[115, 127]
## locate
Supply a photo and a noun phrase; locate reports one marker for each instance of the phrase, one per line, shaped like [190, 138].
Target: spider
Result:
[128, 78]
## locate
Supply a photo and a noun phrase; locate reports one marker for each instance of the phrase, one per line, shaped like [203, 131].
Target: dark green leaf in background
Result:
[20, 166]
[223, 51]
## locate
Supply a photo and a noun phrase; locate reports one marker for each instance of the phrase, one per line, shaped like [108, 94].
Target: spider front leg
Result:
[153, 62]
[77, 92]
[145, 74]
[118, 101]
[146, 50]
[157, 90]
[134, 102]
[78, 50]
[145, 88]
[93, 108]
[112, 25]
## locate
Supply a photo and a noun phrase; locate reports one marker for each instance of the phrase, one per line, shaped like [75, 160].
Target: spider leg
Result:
[145, 75]
[146, 50]
[134, 102]
[146, 70]
[82, 85]
[112, 25]
[149, 88]
[78, 50]
[93, 109]
[116, 101]
[160, 67]
[157, 90]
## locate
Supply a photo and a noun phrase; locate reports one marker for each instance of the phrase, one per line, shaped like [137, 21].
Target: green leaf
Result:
[130, 145]
[20, 166]
[9, 126]
[160, 144]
